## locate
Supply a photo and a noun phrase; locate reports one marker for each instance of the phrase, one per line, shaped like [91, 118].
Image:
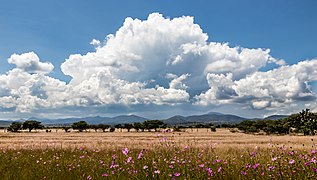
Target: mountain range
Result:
[212, 117]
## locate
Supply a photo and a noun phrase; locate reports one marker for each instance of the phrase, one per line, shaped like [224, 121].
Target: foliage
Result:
[66, 128]
[128, 126]
[103, 127]
[32, 125]
[112, 129]
[153, 124]
[305, 122]
[15, 127]
[80, 126]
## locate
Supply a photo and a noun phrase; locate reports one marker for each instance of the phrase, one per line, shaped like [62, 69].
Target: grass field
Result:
[156, 155]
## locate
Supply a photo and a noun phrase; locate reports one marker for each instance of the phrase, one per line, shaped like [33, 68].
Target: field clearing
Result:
[194, 154]
[103, 140]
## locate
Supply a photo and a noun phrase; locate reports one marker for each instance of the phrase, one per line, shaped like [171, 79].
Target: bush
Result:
[112, 129]
[213, 129]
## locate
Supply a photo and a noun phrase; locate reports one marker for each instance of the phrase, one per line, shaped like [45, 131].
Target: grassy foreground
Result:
[166, 159]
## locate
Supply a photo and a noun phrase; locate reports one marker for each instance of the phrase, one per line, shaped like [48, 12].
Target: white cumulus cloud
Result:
[158, 61]
[30, 62]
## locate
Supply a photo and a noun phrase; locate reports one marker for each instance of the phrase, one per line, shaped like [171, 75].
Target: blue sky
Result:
[54, 30]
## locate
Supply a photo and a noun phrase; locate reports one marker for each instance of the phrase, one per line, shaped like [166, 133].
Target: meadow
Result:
[193, 154]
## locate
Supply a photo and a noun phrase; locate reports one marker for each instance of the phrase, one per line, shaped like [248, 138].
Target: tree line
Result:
[304, 122]
[81, 126]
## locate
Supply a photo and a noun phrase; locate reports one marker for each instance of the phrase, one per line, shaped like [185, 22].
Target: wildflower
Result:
[292, 161]
[104, 175]
[314, 169]
[313, 151]
[81, 157]
[271, 168]
[244, 173]
[274, 159]
[255, 166]
[89, 177]
[114, 156]
[219, 169]
[140, 155]
[307, 164]
[201, 165]
[177, 174]
[145, 167]
[125, 151]
[209, 171]
[157, 172]
[248, 166]
[129, 159]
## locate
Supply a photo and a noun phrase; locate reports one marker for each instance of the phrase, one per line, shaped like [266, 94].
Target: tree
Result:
[94, 126]
[153, 124]
[15, 127]
[66, 128]
[304, 121]
[118, 126]
[80, 126]
[32, 125]
[128, 127]
[112, 129]
[137, 126]
[103, 127]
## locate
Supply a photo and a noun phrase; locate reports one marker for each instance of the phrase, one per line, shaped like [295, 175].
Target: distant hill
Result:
[276, 117]
[215, 118]
[211, 117]
[97, 120]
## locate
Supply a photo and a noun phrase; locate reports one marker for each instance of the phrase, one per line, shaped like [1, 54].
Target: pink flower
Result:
[292, 161]
[291, 153]
[104, 175]
[248, 166]
[81, 157]
[314, 169]
[219, 169]
[201, 165]
[255, 166]
[125, 151]
[140, 155]
[244, 173]
[209, 171]
[157, 172]
[129, 159]
[274, 159]
[177, 174]
[145, 167]
[313, 151]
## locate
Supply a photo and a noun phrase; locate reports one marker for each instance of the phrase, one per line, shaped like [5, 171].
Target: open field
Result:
[156, 155]
[101, 140]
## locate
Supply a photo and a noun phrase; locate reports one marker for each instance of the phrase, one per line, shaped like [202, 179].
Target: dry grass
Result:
[222, 138]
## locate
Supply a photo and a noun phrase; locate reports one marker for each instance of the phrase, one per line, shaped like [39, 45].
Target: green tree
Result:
[80, 126]
[103, 127]
[66, 128]
[128, 127]
[32, 125]
[94, 127]
[15, 127]
[153, 124]
[305, 122]
[119, 126]
[137, 126]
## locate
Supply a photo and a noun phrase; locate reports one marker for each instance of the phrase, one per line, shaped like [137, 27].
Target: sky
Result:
[156, 59]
